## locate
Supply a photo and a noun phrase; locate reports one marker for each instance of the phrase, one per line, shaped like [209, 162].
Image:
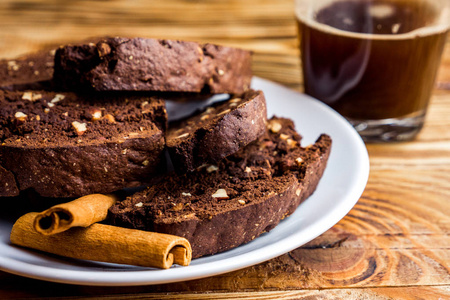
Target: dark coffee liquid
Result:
[389, 74]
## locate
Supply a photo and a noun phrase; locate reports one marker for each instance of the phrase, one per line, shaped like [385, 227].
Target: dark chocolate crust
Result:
[153, 65]
[42, 147]
[30, 71]
[8, 184]
[217, 132]
[263, 183]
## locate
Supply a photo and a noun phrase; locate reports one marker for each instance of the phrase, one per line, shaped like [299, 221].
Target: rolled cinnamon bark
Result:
[106, 243]
[81, 212]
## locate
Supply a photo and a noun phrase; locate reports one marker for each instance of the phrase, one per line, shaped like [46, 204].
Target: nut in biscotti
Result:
[20, 116]
[211, 168]
[80, 128]
[96, 114]
[30, 96]
[57, 98]
[220, 194]
[103, 49]
[110, 118]
[274, 126]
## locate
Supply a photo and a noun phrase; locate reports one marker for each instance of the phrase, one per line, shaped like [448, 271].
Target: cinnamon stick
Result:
[106, 243]
[81, 212]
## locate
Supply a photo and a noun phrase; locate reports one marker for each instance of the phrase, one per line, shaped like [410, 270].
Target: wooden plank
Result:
[28, 25]
[34, 21]
[393, 244]
[35, 289]
[349, 294]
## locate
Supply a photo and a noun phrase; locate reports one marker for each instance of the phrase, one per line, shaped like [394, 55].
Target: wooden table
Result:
[393, 244]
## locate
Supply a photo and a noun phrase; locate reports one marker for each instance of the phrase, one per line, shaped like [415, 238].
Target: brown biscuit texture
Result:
[140, 64]
[218, 131]
[219, 207]
[69, 145]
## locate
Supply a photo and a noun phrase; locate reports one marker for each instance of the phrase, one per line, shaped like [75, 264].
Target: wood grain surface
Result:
[394, 244]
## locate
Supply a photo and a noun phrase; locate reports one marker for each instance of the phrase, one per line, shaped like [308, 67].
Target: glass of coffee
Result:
[373, 61]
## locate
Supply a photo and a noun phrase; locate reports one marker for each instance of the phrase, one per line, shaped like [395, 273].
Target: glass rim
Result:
[304, 13]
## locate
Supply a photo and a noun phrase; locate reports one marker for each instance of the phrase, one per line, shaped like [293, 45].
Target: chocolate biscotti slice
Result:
[68, 145]
[222, 206]
[217, 132]
[140, 64]
[30, 71]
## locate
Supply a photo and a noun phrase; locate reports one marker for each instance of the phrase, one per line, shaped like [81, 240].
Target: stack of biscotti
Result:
[85, 138]
[69, 145]
[104, 127]
[221, 206]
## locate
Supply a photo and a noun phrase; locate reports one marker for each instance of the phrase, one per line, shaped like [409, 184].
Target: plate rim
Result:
[227, 264]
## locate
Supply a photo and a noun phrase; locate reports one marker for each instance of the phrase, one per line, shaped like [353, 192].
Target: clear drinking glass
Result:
[374, 61]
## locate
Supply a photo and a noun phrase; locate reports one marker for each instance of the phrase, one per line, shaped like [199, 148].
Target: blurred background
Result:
[266, 27]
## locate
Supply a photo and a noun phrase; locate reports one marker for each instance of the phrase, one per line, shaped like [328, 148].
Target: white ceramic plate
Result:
[340, 188]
